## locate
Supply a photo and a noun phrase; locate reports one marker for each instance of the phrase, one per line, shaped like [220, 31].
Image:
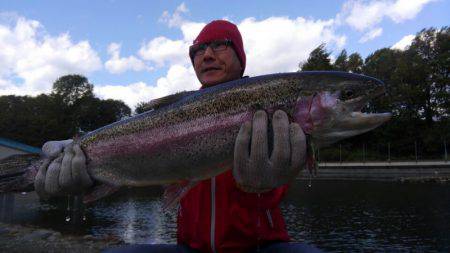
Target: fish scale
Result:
[192, 137]
[212, 117]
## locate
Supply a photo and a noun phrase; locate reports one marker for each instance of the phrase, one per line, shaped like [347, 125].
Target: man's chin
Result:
[211, 81]
[209, 84]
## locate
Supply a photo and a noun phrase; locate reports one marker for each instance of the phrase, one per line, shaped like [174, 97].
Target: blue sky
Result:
[137, 50]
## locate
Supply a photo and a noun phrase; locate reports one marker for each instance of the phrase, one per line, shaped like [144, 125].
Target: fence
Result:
[406, 151]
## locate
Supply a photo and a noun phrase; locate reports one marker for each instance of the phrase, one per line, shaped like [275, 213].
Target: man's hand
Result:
[64, 172]
[258, 171]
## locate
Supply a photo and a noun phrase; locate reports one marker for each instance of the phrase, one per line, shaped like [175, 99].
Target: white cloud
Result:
[162, 50]
[372, 34]
[363, 15]
[403, 10]
[131, 94]
[30, 54]
[176, 19]
[190, 30]
[117, 65]
[404, 43]
[178, 78]
[31, 60]
[278, 44]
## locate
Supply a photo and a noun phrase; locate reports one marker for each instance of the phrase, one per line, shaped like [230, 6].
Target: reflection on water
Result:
[333, 215]
[372, 216]
[7, 204]
[136, 217]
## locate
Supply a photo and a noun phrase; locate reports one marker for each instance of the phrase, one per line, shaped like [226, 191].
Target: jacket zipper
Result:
[269, 217]
[213, 213]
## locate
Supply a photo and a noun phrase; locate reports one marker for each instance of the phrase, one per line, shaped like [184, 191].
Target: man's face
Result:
[217, 67]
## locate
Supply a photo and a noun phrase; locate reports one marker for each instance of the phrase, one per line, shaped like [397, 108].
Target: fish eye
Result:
[348, 93]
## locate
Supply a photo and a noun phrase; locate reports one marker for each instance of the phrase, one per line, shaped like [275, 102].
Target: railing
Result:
[384, 152]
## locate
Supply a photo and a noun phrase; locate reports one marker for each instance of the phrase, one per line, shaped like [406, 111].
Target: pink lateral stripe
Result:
[154, 139]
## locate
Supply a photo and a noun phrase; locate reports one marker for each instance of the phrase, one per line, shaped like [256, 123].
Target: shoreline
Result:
[27, 238]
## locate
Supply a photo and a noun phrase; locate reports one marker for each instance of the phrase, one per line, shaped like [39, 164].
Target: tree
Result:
[33, 120]
[319, 59]
[383, 64]
[91, 113]
[69, 109]
[417, 82]
[71, 88]
[355, 63]
[341, 62]
[118, 109]
[141, 107]
[430, 55]
[85, 112]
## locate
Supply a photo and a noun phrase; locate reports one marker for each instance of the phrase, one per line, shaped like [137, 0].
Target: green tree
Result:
[319, 59]
[117, 109]
[141, 107]
[33, 120]
[355, 63]
[383, 64]
[69, 109]
[72, 87]
[429, 54]
[417, 82]
[341, 62]
[91, 113]
[85, 111]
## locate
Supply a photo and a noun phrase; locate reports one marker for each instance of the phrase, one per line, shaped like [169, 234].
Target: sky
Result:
[136, 51]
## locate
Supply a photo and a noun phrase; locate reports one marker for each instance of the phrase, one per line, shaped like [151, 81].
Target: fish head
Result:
[330, 109]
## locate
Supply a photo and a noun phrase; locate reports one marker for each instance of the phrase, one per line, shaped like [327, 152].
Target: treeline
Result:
[70, 109]
[418, 95]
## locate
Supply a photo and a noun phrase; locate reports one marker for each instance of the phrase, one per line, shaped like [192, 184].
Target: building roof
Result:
[18, 145]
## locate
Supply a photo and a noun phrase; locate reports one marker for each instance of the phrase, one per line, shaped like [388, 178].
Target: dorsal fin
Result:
[163, 101]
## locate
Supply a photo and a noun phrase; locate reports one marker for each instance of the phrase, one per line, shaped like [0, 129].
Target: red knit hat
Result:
[220, 30]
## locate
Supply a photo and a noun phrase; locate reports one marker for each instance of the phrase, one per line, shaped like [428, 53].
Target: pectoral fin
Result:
[98, 192]
[174, 192]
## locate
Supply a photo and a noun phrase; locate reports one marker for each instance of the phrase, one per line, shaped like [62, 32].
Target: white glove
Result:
[63, 172]
[258, 171]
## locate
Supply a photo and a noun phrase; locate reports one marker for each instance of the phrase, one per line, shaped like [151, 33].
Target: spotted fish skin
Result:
[193, 138]
[190, 139]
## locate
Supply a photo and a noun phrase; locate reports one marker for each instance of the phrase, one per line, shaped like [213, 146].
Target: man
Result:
[236, 211]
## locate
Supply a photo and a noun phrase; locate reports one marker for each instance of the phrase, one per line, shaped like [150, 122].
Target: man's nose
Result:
[209, 54]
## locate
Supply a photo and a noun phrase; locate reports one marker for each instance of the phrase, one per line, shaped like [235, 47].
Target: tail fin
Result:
[17, 172]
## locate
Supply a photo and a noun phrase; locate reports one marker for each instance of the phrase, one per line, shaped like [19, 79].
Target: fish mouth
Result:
[350, 121]
[356, 122]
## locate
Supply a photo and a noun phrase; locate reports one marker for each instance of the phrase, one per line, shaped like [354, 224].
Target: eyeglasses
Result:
[216, 46]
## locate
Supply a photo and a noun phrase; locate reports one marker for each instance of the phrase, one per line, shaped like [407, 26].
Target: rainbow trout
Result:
[190, 135]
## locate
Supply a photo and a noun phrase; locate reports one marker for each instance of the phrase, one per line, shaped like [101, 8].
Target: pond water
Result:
[340, 216]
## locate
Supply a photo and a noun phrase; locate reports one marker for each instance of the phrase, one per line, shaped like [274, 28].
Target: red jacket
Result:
[238, 221]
